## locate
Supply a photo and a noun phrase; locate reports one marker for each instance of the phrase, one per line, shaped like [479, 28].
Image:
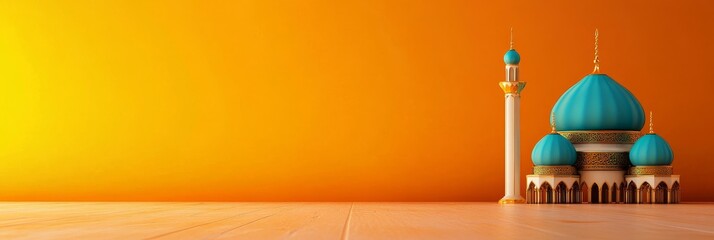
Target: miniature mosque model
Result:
[595, 152]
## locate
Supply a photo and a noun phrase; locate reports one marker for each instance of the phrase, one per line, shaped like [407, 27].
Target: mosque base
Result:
[553, 188]
[602, 186]
[640, 189]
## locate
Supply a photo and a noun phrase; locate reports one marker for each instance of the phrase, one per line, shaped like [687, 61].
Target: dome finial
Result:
[552, 123]
[597, 57]
[651, 124]
[511, 37]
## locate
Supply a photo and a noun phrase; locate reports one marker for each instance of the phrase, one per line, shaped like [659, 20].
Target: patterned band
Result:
[612, 137]
[650, 170]
[602, 161]
[554, 170]
[514, 88]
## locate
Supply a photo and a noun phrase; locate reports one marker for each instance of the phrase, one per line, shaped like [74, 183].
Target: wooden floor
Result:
[75, 220]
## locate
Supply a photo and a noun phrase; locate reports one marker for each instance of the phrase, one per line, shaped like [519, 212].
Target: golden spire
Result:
[651, 125]
[511, 38]
[597, 57]
[552, 123]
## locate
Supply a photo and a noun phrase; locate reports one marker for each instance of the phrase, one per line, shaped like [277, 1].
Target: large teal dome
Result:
[651, 150]
[512, 57]
[597, 102]
[553, 149]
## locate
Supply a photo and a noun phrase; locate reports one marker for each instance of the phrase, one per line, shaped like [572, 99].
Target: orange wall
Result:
[322, 100]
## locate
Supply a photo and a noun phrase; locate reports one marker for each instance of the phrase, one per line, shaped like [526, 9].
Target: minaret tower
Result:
[512, 88]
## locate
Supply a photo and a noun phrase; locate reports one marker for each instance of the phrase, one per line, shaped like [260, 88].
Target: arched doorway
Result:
[594, 193]
[615, 193]
[575, 193]
[546, 193]
[675, 192]
[530, 193]
[623, 191]
[605, 194]
[561, 193]
[631, 194]
[661, 193]
[645, 193]
[585, 195]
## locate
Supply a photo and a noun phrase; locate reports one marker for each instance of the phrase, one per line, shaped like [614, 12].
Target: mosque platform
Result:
[194, 220]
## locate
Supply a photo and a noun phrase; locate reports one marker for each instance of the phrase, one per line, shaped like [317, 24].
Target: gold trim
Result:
[504, 201]
[651, 170]
[511, 38]
[597, 56]
[514, 88]
[609, 137]
[555, 170]
[651, 125]
[602, 161]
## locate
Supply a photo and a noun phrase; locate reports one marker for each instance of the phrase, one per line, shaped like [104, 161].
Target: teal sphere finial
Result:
[512, 57]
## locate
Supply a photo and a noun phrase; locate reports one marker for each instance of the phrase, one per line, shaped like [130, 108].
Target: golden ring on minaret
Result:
[512, 87]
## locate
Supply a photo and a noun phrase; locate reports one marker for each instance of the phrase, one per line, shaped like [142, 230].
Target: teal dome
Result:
[553, 149]
[597, 102]
[651, 150]
[512, 57]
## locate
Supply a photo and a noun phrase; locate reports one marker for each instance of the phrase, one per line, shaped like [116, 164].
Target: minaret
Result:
[512, 88]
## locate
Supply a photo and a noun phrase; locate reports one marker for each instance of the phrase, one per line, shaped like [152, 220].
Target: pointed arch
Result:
[615, 192]
[675, 192]
[605, 193]
[575, 193]
[623, 191]
[645, 193]
[561, 193]
[585, 196]
[661, 194]
[530, 193]
[631, 192]
[594, 193]
[546, 192]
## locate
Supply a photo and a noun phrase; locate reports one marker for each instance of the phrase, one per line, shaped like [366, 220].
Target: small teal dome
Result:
[512, 57]
[553, 149]
[651, 150]
[597, 102]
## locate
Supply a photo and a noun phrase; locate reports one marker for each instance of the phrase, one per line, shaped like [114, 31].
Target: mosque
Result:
[595, 152]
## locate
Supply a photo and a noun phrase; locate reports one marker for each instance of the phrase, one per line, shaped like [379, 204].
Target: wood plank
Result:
[297, 221]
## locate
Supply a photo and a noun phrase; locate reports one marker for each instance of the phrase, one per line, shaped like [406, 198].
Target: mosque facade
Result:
[596, 151]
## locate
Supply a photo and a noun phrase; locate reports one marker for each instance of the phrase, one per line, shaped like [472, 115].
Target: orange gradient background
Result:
[323, 100]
